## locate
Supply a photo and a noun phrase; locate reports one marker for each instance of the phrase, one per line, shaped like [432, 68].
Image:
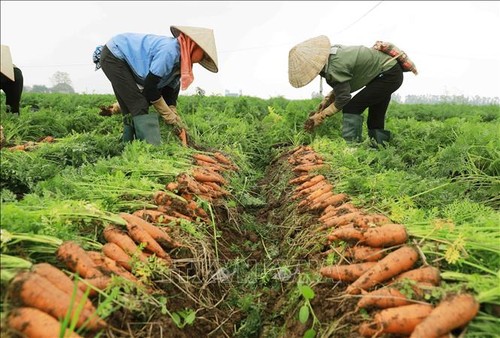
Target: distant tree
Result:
[62, 88]
[40, 89]
[61, 83]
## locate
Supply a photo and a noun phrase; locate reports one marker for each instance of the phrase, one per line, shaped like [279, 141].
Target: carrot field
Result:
[256, 229]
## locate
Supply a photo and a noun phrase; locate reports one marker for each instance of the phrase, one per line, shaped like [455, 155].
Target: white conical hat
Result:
[6, 63]
[306, 60]
[204, 38]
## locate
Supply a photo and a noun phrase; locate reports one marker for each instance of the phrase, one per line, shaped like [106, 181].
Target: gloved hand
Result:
[327, 100]
[115, 108]
[169, 116]
[316, 119]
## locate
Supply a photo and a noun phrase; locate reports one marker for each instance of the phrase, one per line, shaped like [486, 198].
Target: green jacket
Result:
[350, 68]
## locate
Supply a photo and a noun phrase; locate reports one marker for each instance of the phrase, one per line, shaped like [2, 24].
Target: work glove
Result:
[110, 110]
[168, 114]
[327, 100]
[316, 119]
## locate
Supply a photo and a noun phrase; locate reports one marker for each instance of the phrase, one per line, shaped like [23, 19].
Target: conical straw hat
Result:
[6, 63]
[306, 60]
[204, 38]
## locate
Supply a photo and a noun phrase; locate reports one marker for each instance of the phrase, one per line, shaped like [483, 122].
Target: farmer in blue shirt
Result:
[348, 69]
[147, 69]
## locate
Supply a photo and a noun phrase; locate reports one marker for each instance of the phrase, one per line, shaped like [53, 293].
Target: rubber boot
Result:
[147, 128]
[352, 127]
[379, 137]
[128, 129]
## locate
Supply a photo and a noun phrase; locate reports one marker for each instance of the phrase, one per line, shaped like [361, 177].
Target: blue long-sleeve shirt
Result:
[154, 59]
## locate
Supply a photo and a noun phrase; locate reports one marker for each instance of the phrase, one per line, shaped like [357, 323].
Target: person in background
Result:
[11, 81]
[348, 69]
[148, 69]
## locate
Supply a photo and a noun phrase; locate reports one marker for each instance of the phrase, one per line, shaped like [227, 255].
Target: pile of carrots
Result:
[381, 265]
[30, 145]
[44, 296]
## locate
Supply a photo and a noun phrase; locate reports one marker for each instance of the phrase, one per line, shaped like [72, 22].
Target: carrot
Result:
[398, 320]
[309, 190]
[333, 200]
[369, 220]
[34, 323]
[336, 221]
[300, 179]
[123, 240]
[364, 253]
[222, 159]
[36, 291]
[310, 183]
[141, 236]
[451, 313]
[428, 274]
[308, 167]
[91, 284]
[110, 265]
[385, 235]
[61, 281]
[183, 137]
[346, 273]
[205, 175]
[76, 258]
[383, 298]
[331, 211]
[155, 232]
[172, 186]
[391, 265]
[346, 233]
[114, 252]
[316, 193]
[204, 158]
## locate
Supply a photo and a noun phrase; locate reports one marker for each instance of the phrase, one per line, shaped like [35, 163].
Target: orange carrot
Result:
[383, 298]
[391, 265]
[361, 253]
[336, 221]
[141, 236]
[205, 175]
[34, 323]
[346, 233]
[369, 220]
[172, 186]
[398, 320]
[309, 183]
[222, 159]
[110, 265]
[61, 281]
[310, 190]
[183, 137]
[308, 167]
[204, 158]
[385, 235]
[114, 252]
[333, 200]
[428, 274]
[77, 260]
[300, 179]
[36, 291]
[452, 312]
[155, 232]
[346, 273]
[123, 240]
[92, 284]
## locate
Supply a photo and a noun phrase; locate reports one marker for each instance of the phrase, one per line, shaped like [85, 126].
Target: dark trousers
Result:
[13, 90]
[128, 95]
[376, 97]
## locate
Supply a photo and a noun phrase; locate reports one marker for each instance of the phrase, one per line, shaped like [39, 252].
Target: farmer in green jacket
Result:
[148, 69]
[348, 69]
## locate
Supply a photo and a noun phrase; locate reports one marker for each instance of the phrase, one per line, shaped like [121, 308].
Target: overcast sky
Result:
[454, 44]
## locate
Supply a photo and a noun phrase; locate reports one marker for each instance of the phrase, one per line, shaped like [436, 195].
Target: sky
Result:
[454, 44]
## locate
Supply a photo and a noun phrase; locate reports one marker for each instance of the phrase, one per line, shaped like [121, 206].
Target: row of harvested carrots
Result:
[380, 264]
[45, 295]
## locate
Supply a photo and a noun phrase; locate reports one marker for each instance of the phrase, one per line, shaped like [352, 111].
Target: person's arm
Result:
[342, 91]
[151, 91]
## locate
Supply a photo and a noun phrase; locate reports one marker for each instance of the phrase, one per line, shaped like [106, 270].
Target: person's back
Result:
[11, 81]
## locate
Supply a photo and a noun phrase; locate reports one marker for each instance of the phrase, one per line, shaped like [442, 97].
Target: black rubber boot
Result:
[379, 137]
[128, 129]
[352, 127]
[147, 128]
